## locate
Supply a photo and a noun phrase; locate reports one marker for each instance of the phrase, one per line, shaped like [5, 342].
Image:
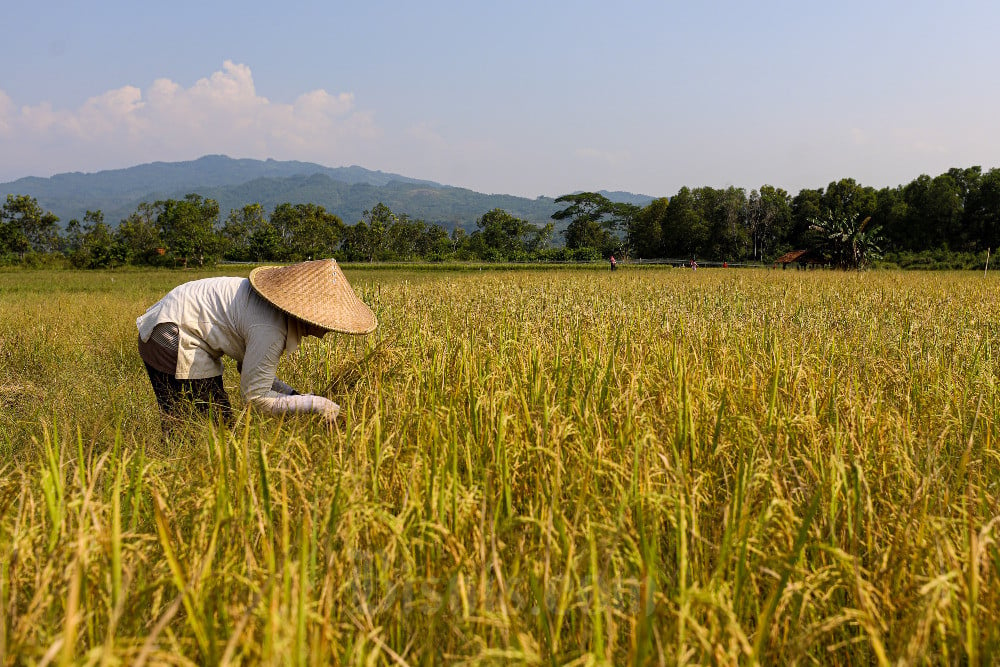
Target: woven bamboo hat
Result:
[316, 292]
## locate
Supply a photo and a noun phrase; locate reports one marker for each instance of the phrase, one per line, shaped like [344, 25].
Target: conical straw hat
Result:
[316, 292]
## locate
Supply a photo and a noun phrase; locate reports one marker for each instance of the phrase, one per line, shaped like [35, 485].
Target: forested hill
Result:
[434, 203]
[234, 183]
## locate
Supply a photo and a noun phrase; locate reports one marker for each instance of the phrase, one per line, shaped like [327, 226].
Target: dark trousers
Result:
[179, 398]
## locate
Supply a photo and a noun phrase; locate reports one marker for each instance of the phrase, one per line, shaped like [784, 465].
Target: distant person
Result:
[183, 336]
[614, 263]
[694, 265]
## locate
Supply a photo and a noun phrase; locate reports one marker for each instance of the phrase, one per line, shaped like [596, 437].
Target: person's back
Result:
[215, 317]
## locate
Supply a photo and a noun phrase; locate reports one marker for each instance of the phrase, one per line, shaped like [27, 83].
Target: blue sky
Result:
[527, 98]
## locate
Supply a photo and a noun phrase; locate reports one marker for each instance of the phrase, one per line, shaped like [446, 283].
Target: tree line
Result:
[955, 214]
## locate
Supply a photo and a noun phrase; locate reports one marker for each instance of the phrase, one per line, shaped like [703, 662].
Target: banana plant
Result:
[847, 242]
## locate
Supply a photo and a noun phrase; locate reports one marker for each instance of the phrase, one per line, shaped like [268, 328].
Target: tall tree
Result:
[968, 182]
[98, 247]
[459, 242]
[402, 237]
[356, 244]
[685, 231]
[934, 213]
[806, 205]
[724, 211]
[507, 237]
[375, 239]
[891, 214]
[138, 235]
[622, 220]
[646, 230]
[433, 244]
[243, 232]
[591, 218]
[539, 238]
[187, 226]
[24, 226]
[846, 198]
[982, 211]
[768, 220]
[308, 230]
[73, 237]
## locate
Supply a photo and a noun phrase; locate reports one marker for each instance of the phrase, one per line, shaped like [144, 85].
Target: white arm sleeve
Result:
[260, 386]
[301, 404]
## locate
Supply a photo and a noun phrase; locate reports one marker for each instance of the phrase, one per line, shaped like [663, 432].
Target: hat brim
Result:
[316, 292]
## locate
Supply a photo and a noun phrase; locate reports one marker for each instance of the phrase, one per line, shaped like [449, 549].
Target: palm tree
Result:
[847, 243]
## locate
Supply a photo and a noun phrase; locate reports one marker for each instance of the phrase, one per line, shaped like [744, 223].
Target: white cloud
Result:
[115, 111]
[221, 113]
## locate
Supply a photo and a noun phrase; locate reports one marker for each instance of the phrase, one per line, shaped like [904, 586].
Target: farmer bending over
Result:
[183, 336]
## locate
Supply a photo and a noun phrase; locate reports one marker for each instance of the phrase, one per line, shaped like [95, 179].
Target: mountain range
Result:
[345, 191]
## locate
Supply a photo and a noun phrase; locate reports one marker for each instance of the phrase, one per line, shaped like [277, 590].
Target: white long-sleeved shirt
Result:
[226, 316]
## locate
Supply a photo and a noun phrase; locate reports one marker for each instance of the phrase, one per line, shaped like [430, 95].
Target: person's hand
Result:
[330, 414]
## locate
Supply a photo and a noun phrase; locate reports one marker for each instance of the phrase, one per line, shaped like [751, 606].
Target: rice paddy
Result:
[652, 466]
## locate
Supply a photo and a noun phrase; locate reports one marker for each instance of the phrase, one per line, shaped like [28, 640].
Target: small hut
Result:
[801, 259]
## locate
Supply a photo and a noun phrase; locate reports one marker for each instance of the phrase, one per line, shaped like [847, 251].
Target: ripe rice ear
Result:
[382, 359]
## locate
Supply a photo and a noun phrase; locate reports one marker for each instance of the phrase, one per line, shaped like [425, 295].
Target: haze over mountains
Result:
[234, 183]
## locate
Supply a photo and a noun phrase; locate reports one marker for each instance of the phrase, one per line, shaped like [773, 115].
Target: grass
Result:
[540, 467]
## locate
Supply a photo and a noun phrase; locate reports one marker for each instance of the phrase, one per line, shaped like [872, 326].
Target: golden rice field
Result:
[654, 466]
